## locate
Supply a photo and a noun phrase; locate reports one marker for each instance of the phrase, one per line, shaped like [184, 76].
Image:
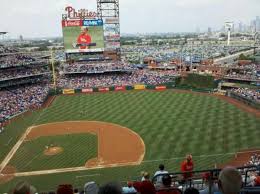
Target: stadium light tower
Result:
[108, 10]
[229, 26]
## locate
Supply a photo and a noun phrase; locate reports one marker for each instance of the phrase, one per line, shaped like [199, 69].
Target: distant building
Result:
[21, 38]
[209, 31]
[257, 23]
[253, 26]
[240, 27]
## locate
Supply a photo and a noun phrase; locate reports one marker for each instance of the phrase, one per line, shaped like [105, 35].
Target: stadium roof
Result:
[1, 33]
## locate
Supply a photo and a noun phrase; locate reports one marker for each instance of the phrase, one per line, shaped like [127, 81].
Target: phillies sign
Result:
[71, 13]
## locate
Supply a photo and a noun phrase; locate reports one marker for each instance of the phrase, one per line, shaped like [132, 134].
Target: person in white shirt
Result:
[160, 172]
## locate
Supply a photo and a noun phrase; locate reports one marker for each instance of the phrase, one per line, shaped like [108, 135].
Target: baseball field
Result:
[114, 136]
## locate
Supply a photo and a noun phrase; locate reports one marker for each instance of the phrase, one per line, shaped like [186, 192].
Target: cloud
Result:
[42, 17]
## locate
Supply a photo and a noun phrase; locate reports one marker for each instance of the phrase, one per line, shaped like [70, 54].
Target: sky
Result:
[42, 18]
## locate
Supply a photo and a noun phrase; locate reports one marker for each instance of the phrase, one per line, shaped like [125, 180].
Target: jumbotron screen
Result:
[83, 35]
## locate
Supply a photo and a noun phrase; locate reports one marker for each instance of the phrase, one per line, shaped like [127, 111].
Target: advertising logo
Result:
[93, 22]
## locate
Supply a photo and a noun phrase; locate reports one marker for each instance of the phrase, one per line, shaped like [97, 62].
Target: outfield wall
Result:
[113, 88]
[136, 87]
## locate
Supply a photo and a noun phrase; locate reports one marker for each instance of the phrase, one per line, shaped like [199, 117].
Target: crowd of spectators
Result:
[254, 160]
[253, 177]
[93, 67]
[19, 60]
[18, 100]
[106, 80]
[248, 93]
[8, 74]
[244, 72]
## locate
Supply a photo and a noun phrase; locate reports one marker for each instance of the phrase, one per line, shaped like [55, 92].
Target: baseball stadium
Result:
[95, 118]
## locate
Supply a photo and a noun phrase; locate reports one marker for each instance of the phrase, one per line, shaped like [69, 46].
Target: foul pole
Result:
[53, 70]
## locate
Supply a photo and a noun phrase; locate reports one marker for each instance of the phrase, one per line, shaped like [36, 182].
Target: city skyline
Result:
[43, 18]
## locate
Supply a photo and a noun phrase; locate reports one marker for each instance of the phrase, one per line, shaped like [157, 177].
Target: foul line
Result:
[17, 145]
[14, 149]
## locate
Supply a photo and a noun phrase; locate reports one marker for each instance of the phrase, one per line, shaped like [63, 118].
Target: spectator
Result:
[256, 180]
[65, 189]
[214, 187]
[24, 188]
[91, 188]
[129, 188]
[145, 186]
[186, 167]
[166, 187]
[191, 191]
[161, 172]
[110, 188]
[230, 181]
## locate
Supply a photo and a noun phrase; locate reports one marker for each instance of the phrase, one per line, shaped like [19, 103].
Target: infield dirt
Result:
[116, 144]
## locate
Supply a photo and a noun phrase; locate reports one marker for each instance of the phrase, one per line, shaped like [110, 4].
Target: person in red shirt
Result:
[145, 186]
[187, 167]
[257, 180]
[84, 38]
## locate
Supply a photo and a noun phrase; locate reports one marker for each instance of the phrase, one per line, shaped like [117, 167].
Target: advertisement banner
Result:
[139, 87]
[120, 88]
[83, 35]
[103, 89]
[87, 90]
[68, 91]
[160, 88]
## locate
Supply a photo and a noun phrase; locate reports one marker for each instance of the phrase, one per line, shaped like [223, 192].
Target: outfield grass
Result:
[171, 125]
[77, 149]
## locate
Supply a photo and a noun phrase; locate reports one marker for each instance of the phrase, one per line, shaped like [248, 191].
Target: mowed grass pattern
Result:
[77, 150]
[171, 124]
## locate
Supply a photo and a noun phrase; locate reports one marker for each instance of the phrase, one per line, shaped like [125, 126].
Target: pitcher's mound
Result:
[53, 151]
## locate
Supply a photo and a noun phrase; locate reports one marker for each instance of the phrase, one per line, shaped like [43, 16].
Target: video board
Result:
[83, 35]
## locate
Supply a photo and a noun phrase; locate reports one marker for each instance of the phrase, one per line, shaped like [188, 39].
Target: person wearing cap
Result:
[91, 187]
[230, 181]
[186, 167]
[65, 189]
[23, 187]
[145, 186]
[84, 38]
[160, 174]
[129, 188]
